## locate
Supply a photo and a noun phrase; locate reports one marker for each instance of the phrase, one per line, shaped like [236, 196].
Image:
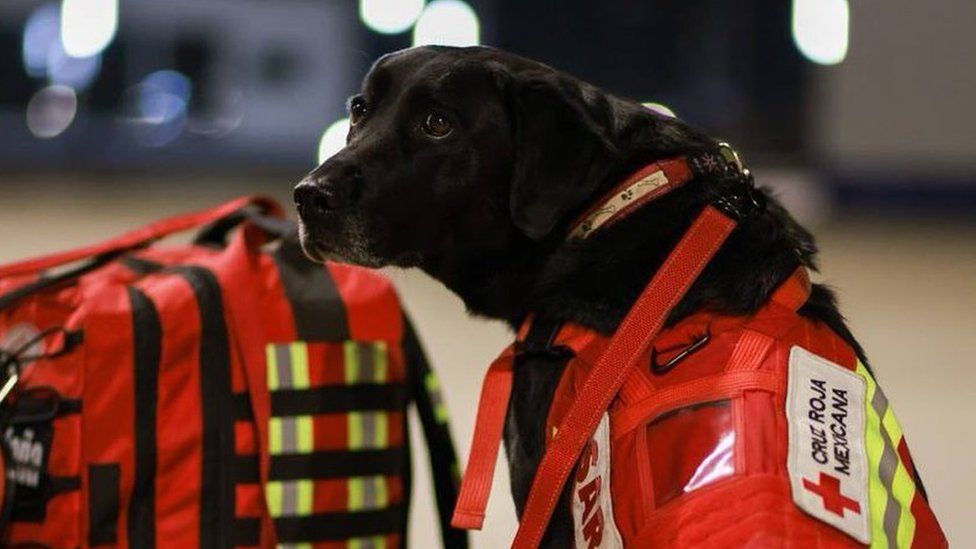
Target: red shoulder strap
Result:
[636, 332]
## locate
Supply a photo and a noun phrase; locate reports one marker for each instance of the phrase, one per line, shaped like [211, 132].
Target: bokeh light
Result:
[44, 55]
[51, 110]
[88, 26]
[333, 139]
[156, 108]
[390, 16]
[447, 23]
[821, 29]
[41, 32]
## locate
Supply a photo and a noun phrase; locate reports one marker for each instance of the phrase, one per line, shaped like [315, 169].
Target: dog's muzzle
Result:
[314, 199]
[328, 189]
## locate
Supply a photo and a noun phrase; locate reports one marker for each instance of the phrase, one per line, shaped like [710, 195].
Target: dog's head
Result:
[463, 151]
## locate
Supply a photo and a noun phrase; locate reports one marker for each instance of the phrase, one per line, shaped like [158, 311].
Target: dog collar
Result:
[653, 181]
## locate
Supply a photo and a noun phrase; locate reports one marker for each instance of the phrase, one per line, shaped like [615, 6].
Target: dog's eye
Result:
[437, 125]
[357, 110]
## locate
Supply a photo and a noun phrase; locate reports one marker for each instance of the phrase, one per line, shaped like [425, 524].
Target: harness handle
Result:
[141, 237]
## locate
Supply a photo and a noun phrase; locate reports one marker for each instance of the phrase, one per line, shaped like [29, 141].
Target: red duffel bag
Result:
[227, 393]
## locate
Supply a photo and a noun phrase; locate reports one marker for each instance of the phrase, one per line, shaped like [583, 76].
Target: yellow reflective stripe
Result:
[290, 435]
[354, 500]
[355, 426]
[350, 359]
[272, 364]
[305, 491]
[892, 426]
[903, 489]
[381, 362]
[366, 493]
[382, 430]
[299, 365]
[272, 496]
[877, 494]
[902, 485]
[375, 542]
[368, 430]
[289, 498]
[274, 435]
[433, 385]
[306, 439]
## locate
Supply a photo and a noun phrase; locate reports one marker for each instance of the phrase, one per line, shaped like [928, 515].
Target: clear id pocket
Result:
[690, 448]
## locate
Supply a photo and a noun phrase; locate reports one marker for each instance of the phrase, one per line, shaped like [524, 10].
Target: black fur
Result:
[485, 210]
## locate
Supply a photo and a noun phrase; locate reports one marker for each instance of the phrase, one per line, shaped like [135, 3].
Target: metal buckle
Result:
[731, 157]
[695, 345]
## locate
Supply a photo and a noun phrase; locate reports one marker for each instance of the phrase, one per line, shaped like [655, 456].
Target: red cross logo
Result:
[833, 500]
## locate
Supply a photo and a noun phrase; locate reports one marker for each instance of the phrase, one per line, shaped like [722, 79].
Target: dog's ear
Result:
[564, 148]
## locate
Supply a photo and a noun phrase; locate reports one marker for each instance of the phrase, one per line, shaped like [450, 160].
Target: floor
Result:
[908, 289]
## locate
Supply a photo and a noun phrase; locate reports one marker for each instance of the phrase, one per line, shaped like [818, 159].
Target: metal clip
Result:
[661, 369]
[731, 157]
[8, 386]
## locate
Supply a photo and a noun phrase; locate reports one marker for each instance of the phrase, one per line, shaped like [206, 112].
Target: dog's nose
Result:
[330, 187]
[314, 197]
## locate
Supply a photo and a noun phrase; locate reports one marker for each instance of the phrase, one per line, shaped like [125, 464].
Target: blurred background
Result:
[859, 115]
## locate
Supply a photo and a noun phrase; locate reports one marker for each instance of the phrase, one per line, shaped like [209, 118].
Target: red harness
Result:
[758, 361]
[632, 338]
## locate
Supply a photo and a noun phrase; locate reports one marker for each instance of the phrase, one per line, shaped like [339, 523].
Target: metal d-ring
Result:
[698, 343]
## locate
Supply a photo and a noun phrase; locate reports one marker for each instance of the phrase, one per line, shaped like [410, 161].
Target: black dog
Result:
[471, 163]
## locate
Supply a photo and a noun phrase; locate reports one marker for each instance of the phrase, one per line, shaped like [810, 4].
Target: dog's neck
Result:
[595, 281]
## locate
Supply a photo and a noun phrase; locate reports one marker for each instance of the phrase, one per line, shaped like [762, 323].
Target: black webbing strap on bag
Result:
[424, 389]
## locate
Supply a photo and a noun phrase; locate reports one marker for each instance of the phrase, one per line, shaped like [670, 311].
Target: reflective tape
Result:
[375, 542]
[891, 489]
[433, 385]
[290, 435]
[367, 493]
[368, 430]
[365, 362]
[289, 498]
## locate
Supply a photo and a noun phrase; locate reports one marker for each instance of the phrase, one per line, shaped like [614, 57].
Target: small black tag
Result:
[29, 445]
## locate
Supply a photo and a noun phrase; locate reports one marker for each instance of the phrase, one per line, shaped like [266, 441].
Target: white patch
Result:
[592, 501]
[828, 465]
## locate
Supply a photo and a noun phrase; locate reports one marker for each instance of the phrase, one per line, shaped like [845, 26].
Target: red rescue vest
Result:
[703, 455]
[759, 431]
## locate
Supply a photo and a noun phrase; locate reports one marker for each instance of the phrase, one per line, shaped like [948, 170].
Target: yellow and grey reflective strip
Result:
[365, 362]
[890, 486]
[287, 365]
[289, 498]
[375, 542]
[367, 493]
[368, 430]
[433, 386]
[290, 435]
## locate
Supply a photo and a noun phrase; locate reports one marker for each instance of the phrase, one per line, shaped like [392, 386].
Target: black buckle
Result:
[739, 204]
[744, 200]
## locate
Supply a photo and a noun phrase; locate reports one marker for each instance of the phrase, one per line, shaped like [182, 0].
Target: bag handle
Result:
[142, 236]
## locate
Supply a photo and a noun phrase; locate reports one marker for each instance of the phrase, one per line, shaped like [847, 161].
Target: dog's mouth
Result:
[338, 237]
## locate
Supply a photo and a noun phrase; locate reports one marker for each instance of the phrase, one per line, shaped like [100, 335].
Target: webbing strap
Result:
[638, 329]
[469, 513]
[433, 418]
[147, 351]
